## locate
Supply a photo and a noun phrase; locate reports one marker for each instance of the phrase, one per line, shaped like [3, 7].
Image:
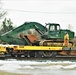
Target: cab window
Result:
[52, 28]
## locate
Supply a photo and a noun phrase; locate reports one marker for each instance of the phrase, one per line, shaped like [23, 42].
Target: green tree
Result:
[4, 26]
[2, 14]
[7, 25]
[10, 24]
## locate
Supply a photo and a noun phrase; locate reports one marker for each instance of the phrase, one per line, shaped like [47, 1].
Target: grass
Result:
[7, 73]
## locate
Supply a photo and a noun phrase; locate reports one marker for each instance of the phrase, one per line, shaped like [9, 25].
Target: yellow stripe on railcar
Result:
[37, 48]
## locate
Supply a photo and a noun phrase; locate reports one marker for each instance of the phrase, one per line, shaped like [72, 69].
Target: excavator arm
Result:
[9, 37]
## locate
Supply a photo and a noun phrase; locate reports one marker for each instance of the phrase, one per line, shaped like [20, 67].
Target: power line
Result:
[41, 12]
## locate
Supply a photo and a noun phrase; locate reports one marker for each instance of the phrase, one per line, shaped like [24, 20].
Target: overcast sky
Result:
[42, 11]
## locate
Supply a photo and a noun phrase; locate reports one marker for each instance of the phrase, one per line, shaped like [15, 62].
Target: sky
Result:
[42, 11]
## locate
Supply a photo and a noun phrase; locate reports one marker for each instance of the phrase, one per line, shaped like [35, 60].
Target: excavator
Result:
[48, 42]
[51, 31]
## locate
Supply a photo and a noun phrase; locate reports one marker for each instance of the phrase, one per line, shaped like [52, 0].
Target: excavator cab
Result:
[52, 31]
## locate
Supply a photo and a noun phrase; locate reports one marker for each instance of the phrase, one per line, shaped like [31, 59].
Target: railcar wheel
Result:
[32, 53]
[46, 54]
[39, 54]
[49, 54]
[26, 54]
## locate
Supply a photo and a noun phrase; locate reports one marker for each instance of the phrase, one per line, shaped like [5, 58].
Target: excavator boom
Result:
[10, 38]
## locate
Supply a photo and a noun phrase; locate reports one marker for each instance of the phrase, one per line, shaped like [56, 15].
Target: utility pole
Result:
[69, 26]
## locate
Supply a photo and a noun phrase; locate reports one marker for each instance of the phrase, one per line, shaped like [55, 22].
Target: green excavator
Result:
[51, 31]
